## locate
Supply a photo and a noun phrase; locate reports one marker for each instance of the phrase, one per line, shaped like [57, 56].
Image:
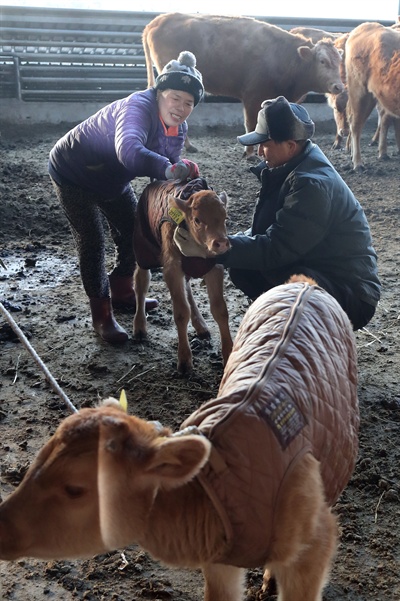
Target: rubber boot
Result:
[123, 295]
[104, 322]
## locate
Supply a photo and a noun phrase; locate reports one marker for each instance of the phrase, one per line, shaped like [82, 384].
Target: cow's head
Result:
[324, 61]
[205, 217]
[92, 486]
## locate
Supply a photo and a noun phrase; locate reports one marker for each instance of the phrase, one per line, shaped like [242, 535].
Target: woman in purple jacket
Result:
[91, 169]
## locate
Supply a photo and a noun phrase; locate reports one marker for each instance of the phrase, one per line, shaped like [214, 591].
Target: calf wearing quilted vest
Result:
[152, 211]
[198, 210]
[289, 389]
[249, 484]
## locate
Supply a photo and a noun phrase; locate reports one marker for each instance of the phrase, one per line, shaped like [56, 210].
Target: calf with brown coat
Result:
[203, 213]
[244, 58]
[247, 482]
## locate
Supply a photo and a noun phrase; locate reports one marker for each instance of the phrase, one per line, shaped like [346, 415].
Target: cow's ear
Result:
[178, 460]
[180, 204]
[305, 53]
[223, 197]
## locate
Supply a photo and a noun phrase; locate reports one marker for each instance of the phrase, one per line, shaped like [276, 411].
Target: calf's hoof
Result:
[204, 335]
[185, 368]
[140, 335]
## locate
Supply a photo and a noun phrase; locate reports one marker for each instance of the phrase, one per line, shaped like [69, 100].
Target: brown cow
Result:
[248, 481]
[337, 102]
[203, 213]
[373, 74]
[244, 58]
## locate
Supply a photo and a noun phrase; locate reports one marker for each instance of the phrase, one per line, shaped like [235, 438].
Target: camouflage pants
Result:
[88, 218]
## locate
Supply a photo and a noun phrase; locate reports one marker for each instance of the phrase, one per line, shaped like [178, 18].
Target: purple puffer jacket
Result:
[123, 140]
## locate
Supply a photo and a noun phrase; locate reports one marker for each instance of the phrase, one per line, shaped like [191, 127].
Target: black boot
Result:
[104, 322]
[123, 295]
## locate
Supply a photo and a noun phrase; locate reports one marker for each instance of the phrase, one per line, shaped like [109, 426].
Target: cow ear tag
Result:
[123, 401]
[176, 215]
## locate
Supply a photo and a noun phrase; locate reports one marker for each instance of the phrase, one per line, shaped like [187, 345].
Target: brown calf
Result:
[244, 58]
[204, 215]
[249, 484]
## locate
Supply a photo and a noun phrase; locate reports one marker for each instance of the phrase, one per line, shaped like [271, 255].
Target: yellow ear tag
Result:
[123, 401]
[176, 215]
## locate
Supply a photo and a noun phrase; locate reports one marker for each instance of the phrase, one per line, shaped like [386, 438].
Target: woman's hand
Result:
[182, 170]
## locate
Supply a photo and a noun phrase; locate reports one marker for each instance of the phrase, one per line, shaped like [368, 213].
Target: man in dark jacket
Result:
[306, 220]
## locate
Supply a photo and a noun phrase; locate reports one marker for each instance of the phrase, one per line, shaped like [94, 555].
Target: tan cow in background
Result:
[337, 102]
[373, 75]
[244, 58]
[315, 34]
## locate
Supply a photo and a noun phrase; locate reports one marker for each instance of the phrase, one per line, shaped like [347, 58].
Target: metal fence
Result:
[52, 55]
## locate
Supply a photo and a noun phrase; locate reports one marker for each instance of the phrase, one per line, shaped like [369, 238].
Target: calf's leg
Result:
[175, 280]
[305, 532]
[223, 583]
[142, 283]
[198, 321]
[214, 280]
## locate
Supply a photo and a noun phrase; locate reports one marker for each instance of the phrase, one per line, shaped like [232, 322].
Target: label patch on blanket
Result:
[285, 418]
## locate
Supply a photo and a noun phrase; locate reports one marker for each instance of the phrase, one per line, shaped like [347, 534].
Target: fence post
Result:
[17, 77]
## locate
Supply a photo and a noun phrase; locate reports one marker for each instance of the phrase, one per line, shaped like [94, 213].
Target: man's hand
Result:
[187, 245]
[182, 170]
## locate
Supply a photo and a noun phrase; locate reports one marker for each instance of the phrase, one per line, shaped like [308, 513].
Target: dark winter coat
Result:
[306, 215]
[124, 140]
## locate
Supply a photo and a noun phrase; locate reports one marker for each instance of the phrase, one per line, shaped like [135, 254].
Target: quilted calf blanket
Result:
[289, 387]
[151, 212]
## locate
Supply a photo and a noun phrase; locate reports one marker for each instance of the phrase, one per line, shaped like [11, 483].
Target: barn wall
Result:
[61, 65]
[204, 115]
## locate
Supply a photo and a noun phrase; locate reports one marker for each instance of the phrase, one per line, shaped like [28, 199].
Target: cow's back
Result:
[228, 49]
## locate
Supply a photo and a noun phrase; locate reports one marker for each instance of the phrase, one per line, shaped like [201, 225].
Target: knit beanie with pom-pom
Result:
[181, 74]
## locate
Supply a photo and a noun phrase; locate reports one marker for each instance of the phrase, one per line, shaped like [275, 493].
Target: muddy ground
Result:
[40, 285]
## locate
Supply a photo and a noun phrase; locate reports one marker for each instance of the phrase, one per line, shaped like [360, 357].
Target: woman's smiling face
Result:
[174, 106]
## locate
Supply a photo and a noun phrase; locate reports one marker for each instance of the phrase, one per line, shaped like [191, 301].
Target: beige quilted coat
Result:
[290, 386]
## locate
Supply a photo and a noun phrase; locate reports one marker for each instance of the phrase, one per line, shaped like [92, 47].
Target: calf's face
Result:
[54, 512]
[205, 216]
[92, 486]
